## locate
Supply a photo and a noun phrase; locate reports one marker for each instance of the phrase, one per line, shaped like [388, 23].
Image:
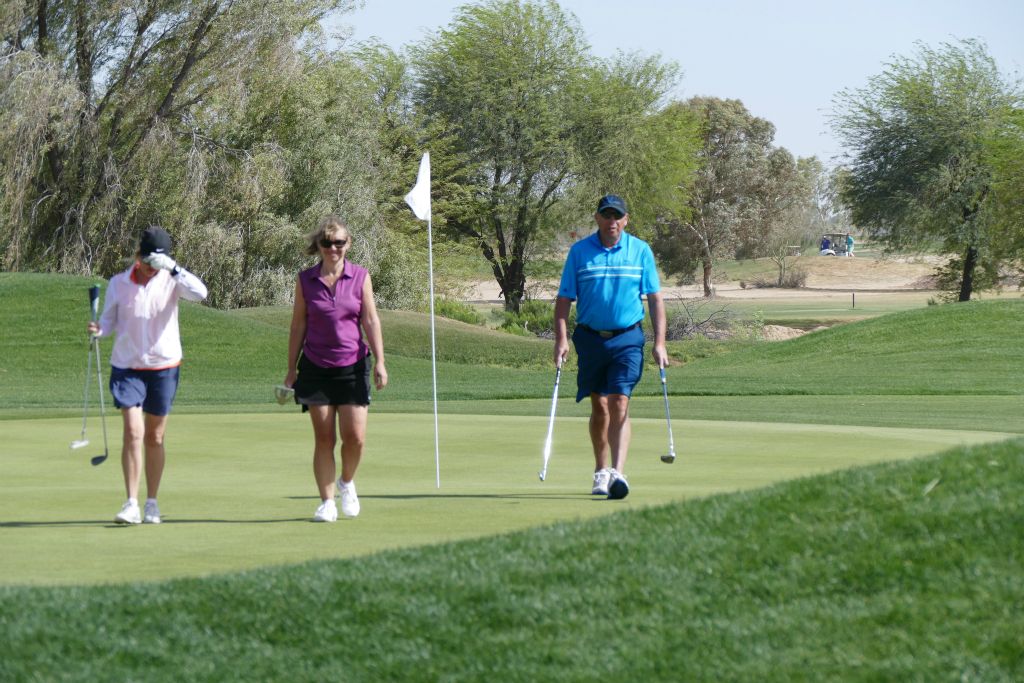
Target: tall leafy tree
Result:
[1004, 151]
[633, 143]
[742, 187]
[224, 120]
[917, 169]
[785, 208]
[522, 110]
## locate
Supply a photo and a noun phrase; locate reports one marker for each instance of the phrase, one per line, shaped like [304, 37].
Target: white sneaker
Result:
[618, 487]
[349, 499]
[152, 513]
[327, 512]
[129, 514]
[601, 479]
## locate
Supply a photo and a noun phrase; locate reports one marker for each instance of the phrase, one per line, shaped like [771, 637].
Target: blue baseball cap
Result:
[612, 201]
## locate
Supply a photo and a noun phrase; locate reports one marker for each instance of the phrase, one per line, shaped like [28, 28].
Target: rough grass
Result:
[966, 348]
[234, 358]
[903, 369]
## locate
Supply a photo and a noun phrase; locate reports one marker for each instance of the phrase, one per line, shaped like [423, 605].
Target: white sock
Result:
[134, 501]
[151, 500]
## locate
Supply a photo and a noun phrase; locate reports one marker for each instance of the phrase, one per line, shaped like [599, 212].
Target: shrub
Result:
[698, 318]
[456, 310]
[795, 278]
[535, 317]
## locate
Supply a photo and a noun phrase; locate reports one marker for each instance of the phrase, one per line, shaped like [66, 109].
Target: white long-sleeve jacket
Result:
[145, 318]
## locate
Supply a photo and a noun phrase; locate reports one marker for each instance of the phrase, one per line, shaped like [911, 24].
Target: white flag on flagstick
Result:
[418, 198]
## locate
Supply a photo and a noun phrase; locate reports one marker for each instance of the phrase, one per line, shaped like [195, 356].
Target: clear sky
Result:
[785, 59]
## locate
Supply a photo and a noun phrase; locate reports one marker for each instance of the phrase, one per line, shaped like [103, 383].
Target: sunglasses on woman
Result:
[327, 244]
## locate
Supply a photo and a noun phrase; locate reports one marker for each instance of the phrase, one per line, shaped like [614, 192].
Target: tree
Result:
[917, 168]
[633, 145]
[1004, 151]
[796, 208]
[223, 120]
[742, 188]
[512, 96]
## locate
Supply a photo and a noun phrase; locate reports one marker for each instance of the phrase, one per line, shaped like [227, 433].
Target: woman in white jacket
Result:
[141, 309]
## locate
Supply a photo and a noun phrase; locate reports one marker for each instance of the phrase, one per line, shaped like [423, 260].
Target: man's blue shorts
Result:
[608, 366]
[154, 390]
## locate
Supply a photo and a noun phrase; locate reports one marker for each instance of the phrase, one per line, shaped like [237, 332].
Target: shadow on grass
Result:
[470, 496]
[57, 523]
[112, 525]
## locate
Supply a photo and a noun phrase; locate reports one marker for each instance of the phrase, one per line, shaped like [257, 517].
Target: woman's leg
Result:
[155, 456]
[324, 439]
[131, 449]
[352, 423]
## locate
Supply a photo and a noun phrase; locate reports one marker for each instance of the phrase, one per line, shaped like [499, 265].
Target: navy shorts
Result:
[608, 366]
[154, 390]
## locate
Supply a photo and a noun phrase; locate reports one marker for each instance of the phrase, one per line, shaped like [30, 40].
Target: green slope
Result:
[234, 358]
[968, 348]
[904, 571]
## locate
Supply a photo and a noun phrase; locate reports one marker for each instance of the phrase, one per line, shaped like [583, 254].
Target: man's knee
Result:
[618, 405]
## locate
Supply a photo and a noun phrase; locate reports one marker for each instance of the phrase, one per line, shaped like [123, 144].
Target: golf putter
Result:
[94, 342]
[669, 457]
[551, 423]
[83, 442]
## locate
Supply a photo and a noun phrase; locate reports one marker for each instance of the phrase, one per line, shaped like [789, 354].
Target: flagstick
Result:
[418, 200]
[433, 345]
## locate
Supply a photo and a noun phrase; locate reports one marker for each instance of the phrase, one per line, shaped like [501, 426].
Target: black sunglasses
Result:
[327, 244]
[612, 213]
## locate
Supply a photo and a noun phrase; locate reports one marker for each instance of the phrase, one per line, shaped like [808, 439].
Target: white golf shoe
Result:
[151, 514]
[327, 512]
[618, 487]
[601, 479]
[349, 499]
[129, 514]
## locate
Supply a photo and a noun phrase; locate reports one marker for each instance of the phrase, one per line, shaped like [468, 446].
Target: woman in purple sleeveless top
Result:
[328, 362]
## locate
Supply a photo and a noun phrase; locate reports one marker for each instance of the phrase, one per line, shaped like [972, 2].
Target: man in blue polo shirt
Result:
[607, 274]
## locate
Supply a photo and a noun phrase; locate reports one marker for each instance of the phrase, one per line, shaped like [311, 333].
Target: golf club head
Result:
[283, 394]
[98, 459]
[669, 458]
[80, 443]
[542, 474]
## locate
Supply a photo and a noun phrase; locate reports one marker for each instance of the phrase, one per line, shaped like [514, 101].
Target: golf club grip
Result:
[94, 300]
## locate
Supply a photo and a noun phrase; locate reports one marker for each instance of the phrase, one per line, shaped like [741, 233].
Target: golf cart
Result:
[833, 244]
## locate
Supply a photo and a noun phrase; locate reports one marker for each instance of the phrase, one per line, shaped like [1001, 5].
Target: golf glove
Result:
[162, 261]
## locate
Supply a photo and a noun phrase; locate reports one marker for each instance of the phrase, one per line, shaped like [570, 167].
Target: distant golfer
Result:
[607, 274]
[327, 361]
[141, 308]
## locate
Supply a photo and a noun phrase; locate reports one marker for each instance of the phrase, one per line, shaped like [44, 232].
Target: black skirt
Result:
[346, 385]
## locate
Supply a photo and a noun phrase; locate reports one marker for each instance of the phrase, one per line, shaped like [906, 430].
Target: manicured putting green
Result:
[238, 491]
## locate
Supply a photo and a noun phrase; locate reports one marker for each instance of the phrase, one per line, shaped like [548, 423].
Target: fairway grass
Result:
[239, 491]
